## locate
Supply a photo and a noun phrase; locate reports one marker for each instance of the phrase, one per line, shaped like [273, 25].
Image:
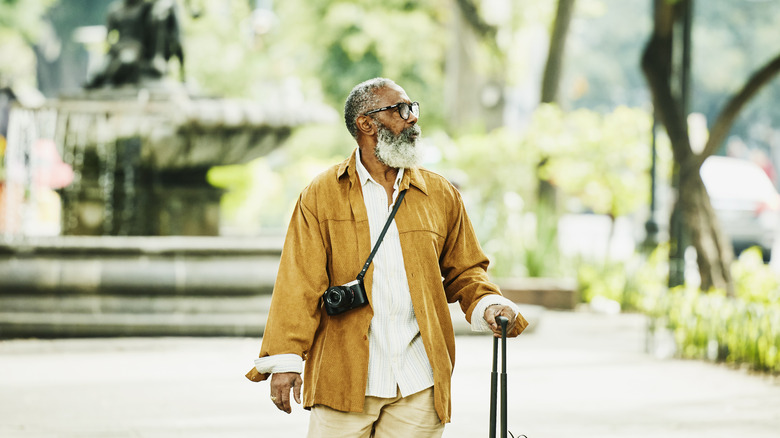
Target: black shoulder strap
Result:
[381, 235]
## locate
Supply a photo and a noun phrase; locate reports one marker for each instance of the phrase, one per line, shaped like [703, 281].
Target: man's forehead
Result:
[392, 94]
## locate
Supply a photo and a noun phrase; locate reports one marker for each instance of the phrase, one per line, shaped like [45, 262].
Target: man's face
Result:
[397, 139]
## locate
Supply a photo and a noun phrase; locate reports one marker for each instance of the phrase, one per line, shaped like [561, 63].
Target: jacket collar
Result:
[411, 177]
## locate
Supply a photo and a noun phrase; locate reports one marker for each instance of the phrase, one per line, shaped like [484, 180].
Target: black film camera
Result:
[339, 299]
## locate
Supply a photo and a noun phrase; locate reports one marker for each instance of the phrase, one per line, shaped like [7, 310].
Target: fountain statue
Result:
[138, 250]
[147, 35]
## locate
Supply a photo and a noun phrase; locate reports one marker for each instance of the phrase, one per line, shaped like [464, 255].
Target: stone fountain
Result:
[138, 251]
[140, 160]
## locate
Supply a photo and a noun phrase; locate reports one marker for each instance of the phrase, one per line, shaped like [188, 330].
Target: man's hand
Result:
[281, 383]
[495, 310]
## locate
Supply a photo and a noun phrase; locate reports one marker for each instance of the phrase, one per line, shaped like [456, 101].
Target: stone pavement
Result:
[578, 374]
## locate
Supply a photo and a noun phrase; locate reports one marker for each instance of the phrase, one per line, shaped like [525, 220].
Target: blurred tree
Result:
[501, 195]
[551, 79]
[605, 39]
[326, 46]
[547, 204]
[713, 250]
[20, 26]
[597, 159]
[730, 39]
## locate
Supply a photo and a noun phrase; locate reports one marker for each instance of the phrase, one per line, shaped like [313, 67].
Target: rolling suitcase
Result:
[494, 384]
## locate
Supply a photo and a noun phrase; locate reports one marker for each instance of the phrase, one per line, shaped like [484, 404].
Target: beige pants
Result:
[398, 417]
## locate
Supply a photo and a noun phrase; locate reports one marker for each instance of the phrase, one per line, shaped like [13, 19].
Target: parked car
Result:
[745, 200]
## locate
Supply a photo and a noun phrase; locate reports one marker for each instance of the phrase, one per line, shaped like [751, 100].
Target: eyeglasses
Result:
[404, 109]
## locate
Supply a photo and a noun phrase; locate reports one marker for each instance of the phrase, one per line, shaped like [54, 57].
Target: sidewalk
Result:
[577, 375]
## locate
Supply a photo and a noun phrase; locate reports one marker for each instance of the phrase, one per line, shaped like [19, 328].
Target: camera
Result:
[339, 299]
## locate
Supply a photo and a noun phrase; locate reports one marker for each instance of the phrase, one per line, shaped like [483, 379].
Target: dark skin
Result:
[282, 383]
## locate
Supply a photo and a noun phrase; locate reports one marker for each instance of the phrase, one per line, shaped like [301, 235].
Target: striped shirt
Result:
[396, 354]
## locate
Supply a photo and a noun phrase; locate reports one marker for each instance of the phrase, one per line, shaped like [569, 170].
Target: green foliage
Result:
[743, 330]
[636, 284]
[602, 160]
[755, 282]
[498, 195]
[735, 330]
[541, 257]
[261, 195]
[608, 280]
[322, 47]
[222, 59]
[20, 26]
[23, 17]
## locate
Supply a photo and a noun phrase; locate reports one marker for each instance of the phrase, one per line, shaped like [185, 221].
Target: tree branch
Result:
[726, 118]
[470, 13]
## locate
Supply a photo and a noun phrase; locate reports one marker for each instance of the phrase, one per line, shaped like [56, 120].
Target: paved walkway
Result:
[577, 375]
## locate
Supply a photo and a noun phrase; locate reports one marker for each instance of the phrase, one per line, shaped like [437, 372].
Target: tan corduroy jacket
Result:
[327, 244]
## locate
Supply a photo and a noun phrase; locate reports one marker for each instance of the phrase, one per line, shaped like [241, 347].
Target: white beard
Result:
[398, 151]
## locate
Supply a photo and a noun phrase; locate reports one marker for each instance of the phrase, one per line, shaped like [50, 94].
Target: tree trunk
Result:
[713, 256]
[551, 81]
[713, 249]
[552, 70]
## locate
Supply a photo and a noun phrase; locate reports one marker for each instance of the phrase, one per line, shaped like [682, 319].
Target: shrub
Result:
[743, 330]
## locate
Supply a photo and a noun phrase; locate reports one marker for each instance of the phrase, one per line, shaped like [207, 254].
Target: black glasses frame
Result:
[403, 107]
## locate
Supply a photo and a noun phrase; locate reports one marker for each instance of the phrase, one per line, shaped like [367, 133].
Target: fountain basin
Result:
[149, 266]
[77, 286]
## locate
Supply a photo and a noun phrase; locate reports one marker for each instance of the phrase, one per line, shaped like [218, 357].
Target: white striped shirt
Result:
[396, 354]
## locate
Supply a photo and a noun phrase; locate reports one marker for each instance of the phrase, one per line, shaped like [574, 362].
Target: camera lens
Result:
[339, 297]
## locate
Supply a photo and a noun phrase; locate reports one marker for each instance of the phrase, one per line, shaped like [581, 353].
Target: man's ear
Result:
[365, 125]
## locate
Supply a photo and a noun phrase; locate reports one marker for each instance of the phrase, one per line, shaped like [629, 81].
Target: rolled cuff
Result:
[478, 323]
[279, 363]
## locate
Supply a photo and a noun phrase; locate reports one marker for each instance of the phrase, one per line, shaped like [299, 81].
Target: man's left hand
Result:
[500, 310]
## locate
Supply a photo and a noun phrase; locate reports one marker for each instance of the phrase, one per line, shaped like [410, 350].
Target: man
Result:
[382, 369]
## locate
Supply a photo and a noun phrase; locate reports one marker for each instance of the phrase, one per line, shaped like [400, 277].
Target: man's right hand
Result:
[281, 383]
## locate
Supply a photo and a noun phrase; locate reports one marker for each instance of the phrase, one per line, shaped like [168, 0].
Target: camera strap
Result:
[381, 235]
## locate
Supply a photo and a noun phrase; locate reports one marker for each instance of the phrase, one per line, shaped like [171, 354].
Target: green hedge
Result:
[743, 330]
[715, 327]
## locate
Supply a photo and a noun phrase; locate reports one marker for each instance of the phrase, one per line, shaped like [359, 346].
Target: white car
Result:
[745, 200]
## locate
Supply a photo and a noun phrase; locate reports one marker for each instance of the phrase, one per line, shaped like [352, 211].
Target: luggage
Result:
[494, 384]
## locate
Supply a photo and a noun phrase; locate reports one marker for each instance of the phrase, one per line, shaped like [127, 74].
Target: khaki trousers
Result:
[397, 417]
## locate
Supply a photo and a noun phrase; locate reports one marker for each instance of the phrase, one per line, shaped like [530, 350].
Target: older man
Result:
[381, 369]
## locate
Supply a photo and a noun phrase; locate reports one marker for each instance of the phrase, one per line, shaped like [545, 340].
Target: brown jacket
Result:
[327, 244]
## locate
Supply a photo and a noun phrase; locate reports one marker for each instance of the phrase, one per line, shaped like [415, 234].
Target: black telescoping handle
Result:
[494, 381]
[494, 389]
[503, 321]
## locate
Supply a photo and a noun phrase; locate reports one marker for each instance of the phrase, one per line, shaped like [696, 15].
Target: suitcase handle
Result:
[503, 321]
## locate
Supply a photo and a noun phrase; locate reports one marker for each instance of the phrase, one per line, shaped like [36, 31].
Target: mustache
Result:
[409, 132]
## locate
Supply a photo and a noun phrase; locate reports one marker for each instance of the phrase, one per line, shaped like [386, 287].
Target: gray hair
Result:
[362, 98]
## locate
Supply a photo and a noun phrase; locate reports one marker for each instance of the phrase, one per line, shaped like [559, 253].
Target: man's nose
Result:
[412, 119]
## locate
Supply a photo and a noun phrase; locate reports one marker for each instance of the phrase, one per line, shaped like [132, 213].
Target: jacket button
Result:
[365, 337]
